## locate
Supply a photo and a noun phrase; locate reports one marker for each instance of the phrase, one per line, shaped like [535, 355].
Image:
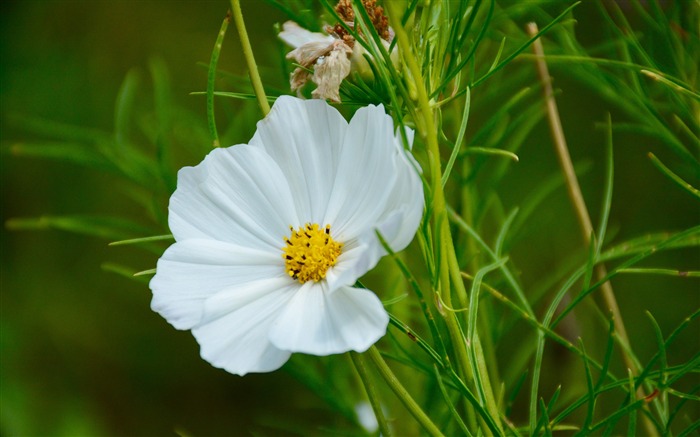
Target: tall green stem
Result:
[400, 391]
[446, 255]
[579, 205]
[249, 58]
[368, 382]
[428, 131]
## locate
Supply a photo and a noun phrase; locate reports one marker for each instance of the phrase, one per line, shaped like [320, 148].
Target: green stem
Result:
[447, 257]
[478, 366]
[579, 205]
[401, 392]
[211, 79]
[429, 132]
[368, 382]
[249, 58]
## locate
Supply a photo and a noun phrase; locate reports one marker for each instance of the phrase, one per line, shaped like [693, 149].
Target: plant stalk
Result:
[249, 58]
[359, 361]
[402, 393]
[446, 254]
[576, 197]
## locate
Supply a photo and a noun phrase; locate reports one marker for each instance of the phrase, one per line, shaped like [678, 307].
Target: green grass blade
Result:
[671, 84]
[608, 190]
[142, 240]
[669, 340]
[240, 96]
[491, 151]
[453, 411]
[411, 334]
[109, 228]
[479, 378]
[664, 272]
[690, 430]
[688, 396]
[124, 107]
[690, 366]
[674, 177]
[663, 366]
[590, 410]
[454, 71]
[641, 244]
[498, 55]
[503, 232]
[460, 138]
[74, 153]
[676, 238]
[123, 271]
[211, 80]
[513, 55]
[612, 419]
[60, 131]
[632, 424]
[679, 406]
[415, 286]
[514, 393]
[608, 355]
[162, 103]
[509, 276]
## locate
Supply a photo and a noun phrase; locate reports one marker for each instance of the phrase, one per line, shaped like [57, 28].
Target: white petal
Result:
[191, 271]
[304, 137]
[235, 337]
[237, 194]
[321, 323]
[366, 173]
[403, 213]
[350, 265]
[296, 36]
[387, 195]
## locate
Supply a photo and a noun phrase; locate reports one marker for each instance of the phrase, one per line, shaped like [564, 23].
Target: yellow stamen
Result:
[309, 252]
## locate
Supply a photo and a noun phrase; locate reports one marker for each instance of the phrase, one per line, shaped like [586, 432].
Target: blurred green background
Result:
[81, 351]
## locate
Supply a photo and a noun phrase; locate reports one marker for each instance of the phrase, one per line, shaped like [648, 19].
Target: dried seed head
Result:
[344, 10]
[376, 15]
[379, 20]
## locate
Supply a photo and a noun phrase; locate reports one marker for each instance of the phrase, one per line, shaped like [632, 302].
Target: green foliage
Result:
[522, 285]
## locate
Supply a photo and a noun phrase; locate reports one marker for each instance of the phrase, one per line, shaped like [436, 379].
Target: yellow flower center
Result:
[310, 252]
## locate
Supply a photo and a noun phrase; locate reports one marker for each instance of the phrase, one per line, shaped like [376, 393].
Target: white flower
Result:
[272, 235]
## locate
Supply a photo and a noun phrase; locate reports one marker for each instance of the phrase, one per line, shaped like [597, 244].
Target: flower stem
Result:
[429, 132]
[447, 256]
[368, 382]
[579, 204]
[401, 392]
[249, 58]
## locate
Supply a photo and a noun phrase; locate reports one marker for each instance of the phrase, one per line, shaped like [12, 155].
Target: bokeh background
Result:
[81, 351]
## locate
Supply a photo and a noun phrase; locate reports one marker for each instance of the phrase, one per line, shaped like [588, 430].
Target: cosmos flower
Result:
[271, 236]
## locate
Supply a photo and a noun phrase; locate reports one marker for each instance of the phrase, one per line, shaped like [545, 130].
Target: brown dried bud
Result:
[344, 10]
[379, 20]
